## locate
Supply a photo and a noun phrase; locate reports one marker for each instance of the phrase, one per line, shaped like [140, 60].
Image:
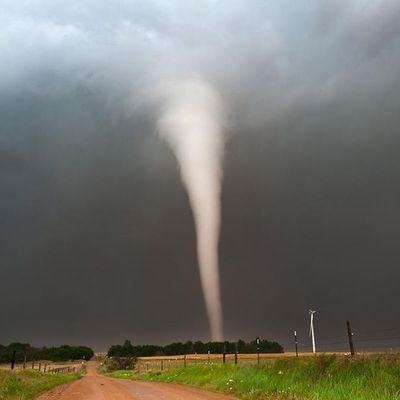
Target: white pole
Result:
[312, 331]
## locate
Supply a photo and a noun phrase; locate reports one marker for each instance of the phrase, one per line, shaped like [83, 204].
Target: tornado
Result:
[192, 122]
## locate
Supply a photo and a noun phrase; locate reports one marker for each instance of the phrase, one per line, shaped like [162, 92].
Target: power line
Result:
[378, 330]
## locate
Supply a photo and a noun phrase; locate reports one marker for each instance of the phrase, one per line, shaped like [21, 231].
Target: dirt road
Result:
[97, 387]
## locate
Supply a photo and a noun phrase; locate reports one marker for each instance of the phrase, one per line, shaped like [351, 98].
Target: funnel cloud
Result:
[191, 122]
[309, 93]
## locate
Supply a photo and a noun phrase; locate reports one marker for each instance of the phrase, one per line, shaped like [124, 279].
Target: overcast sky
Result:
[97, 242]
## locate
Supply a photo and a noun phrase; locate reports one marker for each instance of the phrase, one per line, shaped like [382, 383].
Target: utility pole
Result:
[258, 350]
[350, 335]
[296, 343]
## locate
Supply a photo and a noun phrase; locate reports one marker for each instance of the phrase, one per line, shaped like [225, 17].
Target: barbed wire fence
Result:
[382, 340]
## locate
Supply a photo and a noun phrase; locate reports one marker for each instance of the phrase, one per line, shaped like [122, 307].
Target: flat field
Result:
[322, 377]
[161, 363]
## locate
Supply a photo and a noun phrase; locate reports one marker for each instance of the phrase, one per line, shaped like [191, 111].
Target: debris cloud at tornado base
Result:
[192, 121]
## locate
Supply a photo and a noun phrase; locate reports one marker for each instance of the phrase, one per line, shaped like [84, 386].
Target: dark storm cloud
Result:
[11, 161]
[96, 234]
[280, 55]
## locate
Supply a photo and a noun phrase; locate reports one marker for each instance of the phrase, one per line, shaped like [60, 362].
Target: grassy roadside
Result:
[25, 385]
[124, 374]
[323, 377]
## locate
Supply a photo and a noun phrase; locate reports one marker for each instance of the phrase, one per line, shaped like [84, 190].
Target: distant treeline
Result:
[129, 350]
[61, 353]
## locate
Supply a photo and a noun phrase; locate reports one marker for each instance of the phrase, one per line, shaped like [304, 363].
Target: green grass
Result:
[121, 374]
[25, 385]
[323, 377]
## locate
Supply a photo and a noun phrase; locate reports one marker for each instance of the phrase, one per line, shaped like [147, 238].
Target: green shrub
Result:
[119, 363]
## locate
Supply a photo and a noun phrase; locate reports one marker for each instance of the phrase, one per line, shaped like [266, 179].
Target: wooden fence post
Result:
[224, 354]
[13, 359]
[350, 336]
[236, 352]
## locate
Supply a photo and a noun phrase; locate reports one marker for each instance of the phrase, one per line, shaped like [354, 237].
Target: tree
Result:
[126, 350]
